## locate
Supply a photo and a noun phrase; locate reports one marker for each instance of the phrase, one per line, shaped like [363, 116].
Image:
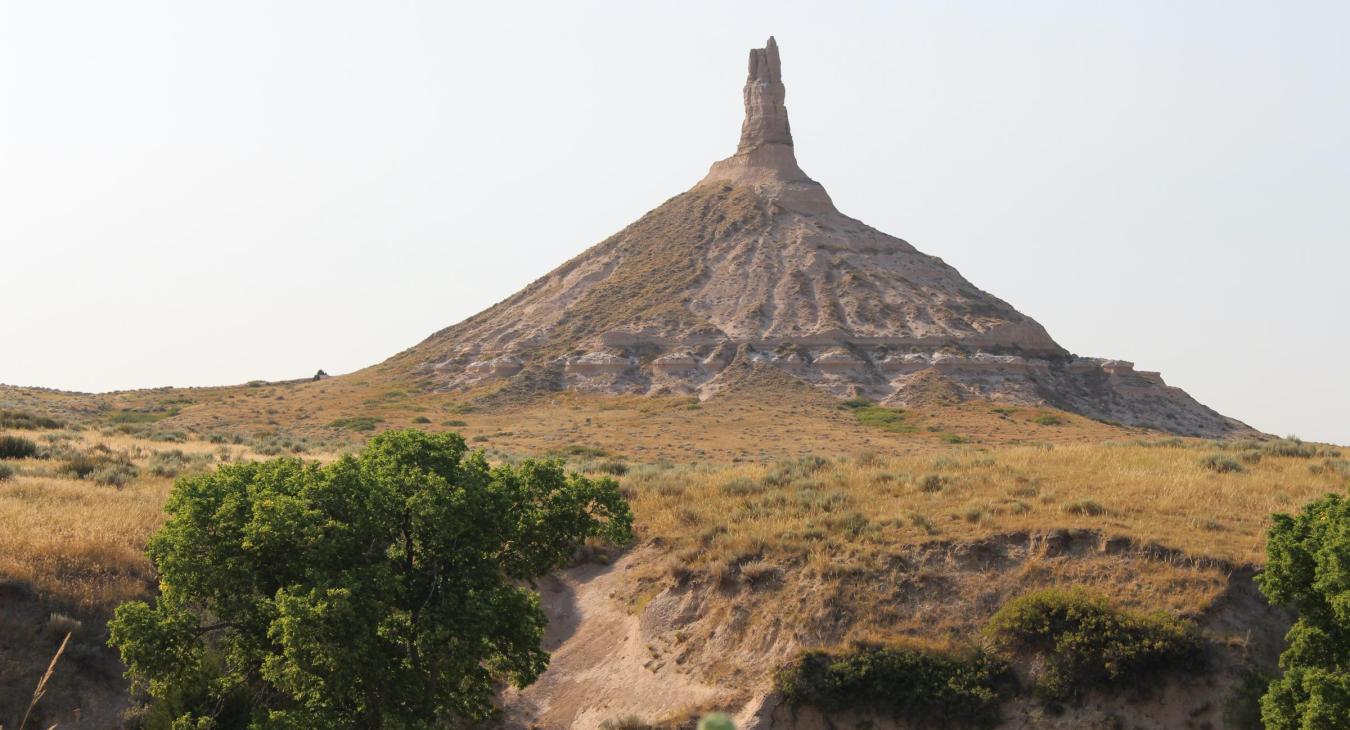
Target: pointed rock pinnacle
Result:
[766, 120]
[765, 158]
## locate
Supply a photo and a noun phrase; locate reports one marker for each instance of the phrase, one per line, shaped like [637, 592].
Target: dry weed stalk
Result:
[42, 683]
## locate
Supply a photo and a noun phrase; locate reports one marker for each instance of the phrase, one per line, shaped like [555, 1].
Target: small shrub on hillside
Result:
[23, 420]
[6, 472]
[952, 438]
[932, 483]
[1049, 420]
[17, 447]
[1290, 446]
[788, 471]
[1088, 507]
[115, 474]
[913, 683]
[627, 722]
[133, 417]
[454, 423]
[742, 487]
[856, 403]
[613, 467]
[1084, 642]
[421, 419]
[357, 423]
[1221, 464]
[173, 463]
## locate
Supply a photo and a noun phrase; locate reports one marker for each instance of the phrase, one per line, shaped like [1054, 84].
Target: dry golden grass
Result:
[80, 544]
[871, 503]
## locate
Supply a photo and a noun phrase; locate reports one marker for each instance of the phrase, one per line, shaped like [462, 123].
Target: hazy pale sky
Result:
[198, 193]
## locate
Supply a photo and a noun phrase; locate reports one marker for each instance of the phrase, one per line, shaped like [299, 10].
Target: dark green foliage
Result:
[385, 589]
[1220, 463]
[6, 472]
[1085, 642]
[454, 423]
[357, 423]
[421, 419]
[17, 447]
[1050, 420]
[916, 684]
[27, 421]
[1308, 569]
[1242, 710]
[856, 403]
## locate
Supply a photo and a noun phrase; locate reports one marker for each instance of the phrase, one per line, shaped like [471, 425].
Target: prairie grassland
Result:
[79, 541]
[1154, 493]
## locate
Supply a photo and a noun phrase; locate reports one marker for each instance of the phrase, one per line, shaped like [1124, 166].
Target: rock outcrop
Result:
[754, 264]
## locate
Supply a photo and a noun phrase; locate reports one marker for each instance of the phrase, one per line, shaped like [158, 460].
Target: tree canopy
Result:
[382, 590]
[1308, 569]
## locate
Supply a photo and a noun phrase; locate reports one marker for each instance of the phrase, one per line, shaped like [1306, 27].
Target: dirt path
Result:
[602, 669]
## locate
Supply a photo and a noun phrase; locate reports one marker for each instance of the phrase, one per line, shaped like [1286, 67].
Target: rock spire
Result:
[766, 120]
[765, 159]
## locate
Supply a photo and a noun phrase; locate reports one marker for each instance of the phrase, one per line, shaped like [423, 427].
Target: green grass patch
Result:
[1050, 419]
[886, 419]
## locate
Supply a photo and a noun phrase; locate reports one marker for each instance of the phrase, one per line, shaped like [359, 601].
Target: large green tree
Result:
[1308, 569]
[383, 590]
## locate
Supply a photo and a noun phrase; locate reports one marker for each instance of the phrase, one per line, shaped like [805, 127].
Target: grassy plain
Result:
[842, 521]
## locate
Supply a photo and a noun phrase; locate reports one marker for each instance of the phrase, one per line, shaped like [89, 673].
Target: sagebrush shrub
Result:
[17, 447]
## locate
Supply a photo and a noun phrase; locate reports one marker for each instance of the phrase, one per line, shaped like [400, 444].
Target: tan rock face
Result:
[755, 264]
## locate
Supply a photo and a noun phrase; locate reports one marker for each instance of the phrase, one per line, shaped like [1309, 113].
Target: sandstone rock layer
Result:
[754, 264]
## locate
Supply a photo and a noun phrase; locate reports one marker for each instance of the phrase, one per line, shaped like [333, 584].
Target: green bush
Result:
[17, 447]
[388, 589]
[454, 423]
[421, 419]
[1050, 420]
[6, 472]
[1308, 569]
[913, 683]
[26, 421]
[1085, 642]
[357, 423]
[1221, 464]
